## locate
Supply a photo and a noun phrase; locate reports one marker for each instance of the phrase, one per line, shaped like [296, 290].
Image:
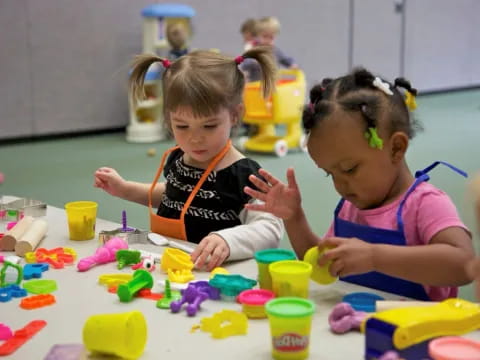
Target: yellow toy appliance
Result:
[284, 106]
[409, 330]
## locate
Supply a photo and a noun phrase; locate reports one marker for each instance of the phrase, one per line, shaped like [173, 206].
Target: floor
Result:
[58, 171]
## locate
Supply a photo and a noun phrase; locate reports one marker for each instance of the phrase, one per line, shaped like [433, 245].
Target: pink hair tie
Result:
[311, 107]
[239, 59]
[166, 63]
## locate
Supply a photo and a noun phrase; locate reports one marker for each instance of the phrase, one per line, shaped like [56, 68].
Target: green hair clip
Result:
[373, 139]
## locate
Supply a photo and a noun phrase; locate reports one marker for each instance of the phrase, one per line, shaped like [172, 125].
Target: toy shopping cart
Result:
[284, 106]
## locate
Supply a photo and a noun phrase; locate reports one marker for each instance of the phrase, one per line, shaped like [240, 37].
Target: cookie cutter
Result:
[136, 236]
[17, 209]
[129, 234]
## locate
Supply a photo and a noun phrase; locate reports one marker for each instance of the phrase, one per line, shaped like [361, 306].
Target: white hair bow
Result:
[382, 86]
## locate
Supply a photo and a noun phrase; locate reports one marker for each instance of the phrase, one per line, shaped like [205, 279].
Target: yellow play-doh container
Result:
[266, 257]
[123, 335]
[290, 325]
[82, 216]
[253, 302]
[290, 278]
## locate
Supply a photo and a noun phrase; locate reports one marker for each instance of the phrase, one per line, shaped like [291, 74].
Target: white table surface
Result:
[79, 296]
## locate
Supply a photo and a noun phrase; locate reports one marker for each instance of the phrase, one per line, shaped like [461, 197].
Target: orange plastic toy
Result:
[37, 301]
[21, 336]
[57, 257]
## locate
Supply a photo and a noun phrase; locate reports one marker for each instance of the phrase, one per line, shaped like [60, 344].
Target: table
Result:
[79, 296]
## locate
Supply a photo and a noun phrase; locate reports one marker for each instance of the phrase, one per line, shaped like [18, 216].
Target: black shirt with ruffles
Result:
[218, 202]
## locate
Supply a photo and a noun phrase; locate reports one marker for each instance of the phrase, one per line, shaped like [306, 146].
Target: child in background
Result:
[249, 33]
[177, 37]
[267, 30]
[391, 231]
[202, 199]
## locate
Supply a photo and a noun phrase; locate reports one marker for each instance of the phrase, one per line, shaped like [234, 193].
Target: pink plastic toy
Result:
[343, 318]
[5, 332]
[10, 225]
[103, 255]
[390, 355]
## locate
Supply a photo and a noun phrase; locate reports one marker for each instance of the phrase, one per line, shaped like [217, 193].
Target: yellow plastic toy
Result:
[180, 276]
[283, 107]
[114, 279]
[225, 323]
[320, 274]
[123, 335]
[176, 259]
[218, 270]
[414, 325]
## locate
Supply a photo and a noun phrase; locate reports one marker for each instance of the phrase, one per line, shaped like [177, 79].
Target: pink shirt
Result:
[426, 212]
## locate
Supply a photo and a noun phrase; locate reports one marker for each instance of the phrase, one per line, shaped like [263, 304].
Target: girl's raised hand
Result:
[109, 180]
[279, 199]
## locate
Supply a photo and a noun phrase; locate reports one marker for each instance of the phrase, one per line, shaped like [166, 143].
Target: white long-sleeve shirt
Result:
[259, 230]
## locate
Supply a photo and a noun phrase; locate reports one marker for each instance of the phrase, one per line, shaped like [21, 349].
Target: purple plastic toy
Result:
[67, 352]
[203, 286]
[103, 255]
[343, 318]
[125, 228]
[193, 297]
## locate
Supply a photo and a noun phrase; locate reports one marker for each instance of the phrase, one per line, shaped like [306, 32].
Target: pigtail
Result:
[140, 66]
[316, 93]
[265, 58]
[308, 116]
[410, 92]
[363, 78]
[404, 83]
[326, 82]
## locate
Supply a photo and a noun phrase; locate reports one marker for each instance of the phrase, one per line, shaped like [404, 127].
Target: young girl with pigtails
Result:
[392, 230]
[202, 198]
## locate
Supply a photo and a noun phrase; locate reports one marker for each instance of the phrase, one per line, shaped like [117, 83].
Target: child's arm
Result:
[284, 60]
[438, 246]
[473, 267]
[439, 263]
[109, 180]
[283, 201]
[259, 230]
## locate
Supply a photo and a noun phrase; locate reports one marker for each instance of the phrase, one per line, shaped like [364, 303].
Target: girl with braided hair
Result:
[202, 198]
[392, 230]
